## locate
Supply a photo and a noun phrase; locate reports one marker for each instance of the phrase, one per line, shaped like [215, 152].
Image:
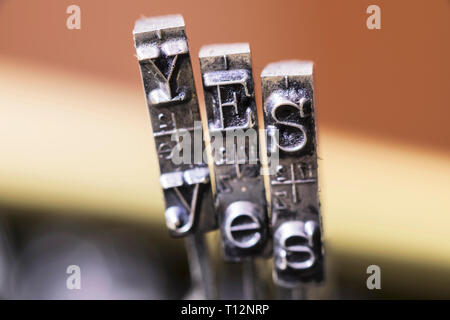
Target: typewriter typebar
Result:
[231, 111]
[288, 102]
[163, 54]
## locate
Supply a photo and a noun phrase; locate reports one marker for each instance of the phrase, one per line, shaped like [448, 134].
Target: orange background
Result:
[391, 83]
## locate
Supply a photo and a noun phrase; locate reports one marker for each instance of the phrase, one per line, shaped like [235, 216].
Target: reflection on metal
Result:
[288, 103]
[163, 55]
[230, 106]
[242, 225]
[240, 200]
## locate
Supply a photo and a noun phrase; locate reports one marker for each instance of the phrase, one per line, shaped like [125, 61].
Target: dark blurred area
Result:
[118, 260]
[78, 170]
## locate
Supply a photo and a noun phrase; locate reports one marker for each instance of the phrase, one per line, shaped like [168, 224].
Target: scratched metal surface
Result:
[289, 117]
[163, 54]
[231, 108]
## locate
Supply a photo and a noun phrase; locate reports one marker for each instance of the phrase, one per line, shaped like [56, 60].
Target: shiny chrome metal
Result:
[231, 109]
[288, 102]
[163, 55]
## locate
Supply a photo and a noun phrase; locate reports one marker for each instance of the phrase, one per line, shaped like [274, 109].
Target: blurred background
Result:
[78, 170]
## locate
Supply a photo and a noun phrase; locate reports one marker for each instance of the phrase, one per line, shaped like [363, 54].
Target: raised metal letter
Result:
[289, 118]
[231, 110]
[163, 54]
